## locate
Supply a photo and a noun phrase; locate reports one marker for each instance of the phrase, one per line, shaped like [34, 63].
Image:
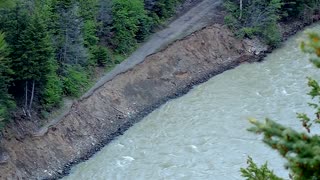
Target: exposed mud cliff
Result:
[121, 102]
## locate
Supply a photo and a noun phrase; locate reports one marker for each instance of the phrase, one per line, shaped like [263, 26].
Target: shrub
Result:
[102, 56]
[301, 150]
[231, 22]
[165, 8]
[248, 32]
[128, 16]
[271, 34]
[145, 27]
[75, 82]
[52, 91]
[253, 172]
[257, 18]
[90, 31]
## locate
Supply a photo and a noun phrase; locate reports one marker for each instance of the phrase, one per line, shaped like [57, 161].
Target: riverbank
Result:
[125, 99]
[202, 135]
[187, 20]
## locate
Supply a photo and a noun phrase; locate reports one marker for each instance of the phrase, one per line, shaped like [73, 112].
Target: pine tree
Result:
[69, 39]
[165, 8]
[6, 102]
[301, 150]
[128, 15]
[51, 93]
[105, 18]
[35, 52]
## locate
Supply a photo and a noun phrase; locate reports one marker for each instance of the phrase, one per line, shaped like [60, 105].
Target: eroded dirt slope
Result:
[122, 101]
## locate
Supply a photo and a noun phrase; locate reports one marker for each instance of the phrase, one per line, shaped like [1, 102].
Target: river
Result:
[203, 135]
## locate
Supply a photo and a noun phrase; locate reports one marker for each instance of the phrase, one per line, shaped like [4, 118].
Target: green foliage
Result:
[128, 16]
[52, 91]
[102, 56]
[165, 8]
[302, 151]
[88, 9]
[300, 8]
[54, 44]
[231, 21]
[249, 32]
[118, 58]
[75, 82]
[70, 41]
[253, 172]
[6, 3]
[271, 34]
[313, 47]
[14, 22]
[6, 102]
[88, 12]
[36, 51]
[90, 33]
[64, 3]
[258, 18]
[145, 26]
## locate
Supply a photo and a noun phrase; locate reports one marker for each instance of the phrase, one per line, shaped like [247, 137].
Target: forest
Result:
[51, 49]
[249, 18]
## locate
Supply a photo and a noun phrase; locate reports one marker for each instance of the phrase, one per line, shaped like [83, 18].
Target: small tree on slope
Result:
[301, 150]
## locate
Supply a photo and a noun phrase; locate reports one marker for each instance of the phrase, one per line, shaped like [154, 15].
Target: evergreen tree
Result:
[102, 56]
[165, 8]
[35, 52]
[255, 18]
[88, 12]
[300, 9]
[104, 18]
[69, 38]
[128, 16]
[6, 102]
[51, 93]
[301, 150]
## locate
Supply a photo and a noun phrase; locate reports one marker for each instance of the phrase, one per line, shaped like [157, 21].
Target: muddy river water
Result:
[203, 135]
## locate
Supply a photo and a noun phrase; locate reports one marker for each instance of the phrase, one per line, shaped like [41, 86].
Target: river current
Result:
[203, 135]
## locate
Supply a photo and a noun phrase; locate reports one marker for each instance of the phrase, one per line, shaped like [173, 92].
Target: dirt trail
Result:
[196, 18]
[202, 15]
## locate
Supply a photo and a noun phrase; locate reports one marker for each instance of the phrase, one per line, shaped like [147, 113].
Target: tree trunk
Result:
[65, 46]
[31, 99]
[26, 100]
[241, 8]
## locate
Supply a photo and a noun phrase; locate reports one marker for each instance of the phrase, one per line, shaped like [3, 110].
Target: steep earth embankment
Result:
[192, 15]
[122, 101]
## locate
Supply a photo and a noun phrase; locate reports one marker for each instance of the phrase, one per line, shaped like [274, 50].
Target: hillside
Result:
[56, 49]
